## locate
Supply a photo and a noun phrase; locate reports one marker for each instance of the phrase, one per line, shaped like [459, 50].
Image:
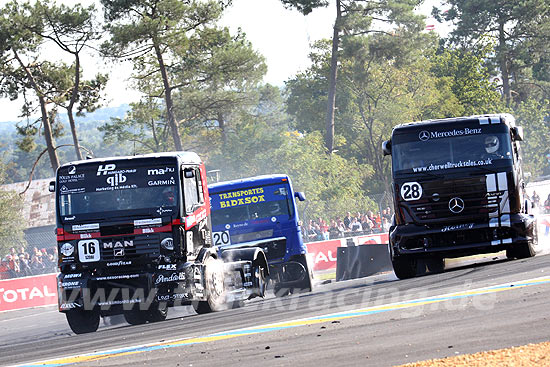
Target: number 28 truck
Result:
[458, 190]
[134, 237]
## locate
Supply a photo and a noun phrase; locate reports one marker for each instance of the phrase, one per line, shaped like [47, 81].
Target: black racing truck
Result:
[134, 238]
[458, 190]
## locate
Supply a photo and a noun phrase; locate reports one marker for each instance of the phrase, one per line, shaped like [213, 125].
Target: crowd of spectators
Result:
[21, 263]
[350, 225]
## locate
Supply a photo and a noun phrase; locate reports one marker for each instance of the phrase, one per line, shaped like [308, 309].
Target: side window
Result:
[190, 190]
[199, 185]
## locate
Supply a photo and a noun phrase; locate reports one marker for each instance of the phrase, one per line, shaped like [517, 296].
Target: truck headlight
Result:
[167, 243]
[67, 249]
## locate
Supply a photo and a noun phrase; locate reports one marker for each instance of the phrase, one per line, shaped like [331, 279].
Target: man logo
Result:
[118, 252]
[424, 135]
[456, 205]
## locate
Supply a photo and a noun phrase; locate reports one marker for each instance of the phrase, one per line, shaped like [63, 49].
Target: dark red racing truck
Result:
[458, 190]
[134, 238]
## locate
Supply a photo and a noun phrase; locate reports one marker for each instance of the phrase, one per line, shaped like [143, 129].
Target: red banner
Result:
[324, 253]
[40, 290]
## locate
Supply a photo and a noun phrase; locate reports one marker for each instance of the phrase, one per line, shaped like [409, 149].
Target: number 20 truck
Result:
[458, 190]
[134, 238]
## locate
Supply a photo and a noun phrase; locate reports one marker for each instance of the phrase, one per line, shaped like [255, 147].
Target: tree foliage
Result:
[11, 205]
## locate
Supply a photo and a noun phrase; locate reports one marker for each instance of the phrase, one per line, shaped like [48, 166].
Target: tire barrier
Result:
[360, 261]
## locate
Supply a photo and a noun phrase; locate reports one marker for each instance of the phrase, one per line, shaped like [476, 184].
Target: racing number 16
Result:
[411, 191]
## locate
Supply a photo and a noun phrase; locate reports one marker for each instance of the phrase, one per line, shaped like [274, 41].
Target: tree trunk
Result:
[48, 134]
[221, 124]
[168, 100]
[331, 102]
[45, 120]
[74, 96]
[503, 60]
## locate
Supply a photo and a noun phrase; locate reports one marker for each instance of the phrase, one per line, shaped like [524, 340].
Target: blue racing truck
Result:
[261, 212]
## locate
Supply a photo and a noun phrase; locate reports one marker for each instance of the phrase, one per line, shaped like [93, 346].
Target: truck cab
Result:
[458, 190]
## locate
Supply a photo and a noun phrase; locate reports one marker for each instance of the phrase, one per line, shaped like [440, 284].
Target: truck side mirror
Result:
[300, 195]
[188, 173]
[386, 147]
[51, 187]
[517, 133]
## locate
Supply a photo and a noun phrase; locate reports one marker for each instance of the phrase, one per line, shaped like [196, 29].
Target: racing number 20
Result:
[221, 238]
[411, 191]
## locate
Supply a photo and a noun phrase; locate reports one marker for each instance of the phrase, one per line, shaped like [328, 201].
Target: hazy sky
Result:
[282, 36]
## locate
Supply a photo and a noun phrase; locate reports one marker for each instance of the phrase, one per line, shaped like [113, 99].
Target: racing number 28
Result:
[411, 191]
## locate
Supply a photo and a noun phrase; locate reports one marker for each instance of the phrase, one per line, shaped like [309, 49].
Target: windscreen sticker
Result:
[451, 165]
[411, 191]
[425, 135]
[147, 222]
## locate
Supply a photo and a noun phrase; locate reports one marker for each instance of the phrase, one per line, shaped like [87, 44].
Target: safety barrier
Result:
[18, 293]
[324, 253]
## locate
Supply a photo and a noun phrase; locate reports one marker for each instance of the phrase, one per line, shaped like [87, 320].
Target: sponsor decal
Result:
[65, 190]
[118, 252]
[71, 276]
[70, 179]
[72, 170]
[69, 218]
[172, 278]
[67, 249]
[172, 297]
[169, 182]
[116, 179]
[193, 219]
[147, 222]
[119, 302]
[162, 210]
[451, 165]
[67, 306]
[237, 194]
[160, 171]
[70, 285]
[119, 277]
[427, 135]
[85, 236]
[457, 227]
[119, 263]
[85, 227]
[242, 201]
[167, 267]
[104, 169]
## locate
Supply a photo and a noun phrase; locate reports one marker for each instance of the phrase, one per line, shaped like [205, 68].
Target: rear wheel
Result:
[524, 249]
[214, 287]
[404, 267]
[83, 321]
[155, 313]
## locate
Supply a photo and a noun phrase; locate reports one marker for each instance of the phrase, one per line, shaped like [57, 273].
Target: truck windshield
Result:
[120, 186]
[430, 151]
[250, 204]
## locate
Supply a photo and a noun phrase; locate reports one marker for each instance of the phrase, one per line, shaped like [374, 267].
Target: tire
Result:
[155, 313]
[83, 321]
[259, 273]
[404, 267]
[135, 317]
[524, 250]
[214, 287]
[435, 265]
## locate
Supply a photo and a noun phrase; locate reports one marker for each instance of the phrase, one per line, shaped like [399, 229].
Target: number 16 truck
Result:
[134, 238]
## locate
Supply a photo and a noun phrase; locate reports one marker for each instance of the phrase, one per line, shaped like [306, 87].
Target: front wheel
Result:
[404, 267]
[214, 287]
[83, 321]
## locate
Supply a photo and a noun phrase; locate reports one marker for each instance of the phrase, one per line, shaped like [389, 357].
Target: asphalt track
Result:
[377, 321]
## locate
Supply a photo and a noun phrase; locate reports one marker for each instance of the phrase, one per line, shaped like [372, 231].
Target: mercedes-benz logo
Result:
[456, 205]
[424, 135]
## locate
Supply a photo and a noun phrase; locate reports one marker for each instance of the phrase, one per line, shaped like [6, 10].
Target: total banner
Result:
[324, 253]
[40, 290]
